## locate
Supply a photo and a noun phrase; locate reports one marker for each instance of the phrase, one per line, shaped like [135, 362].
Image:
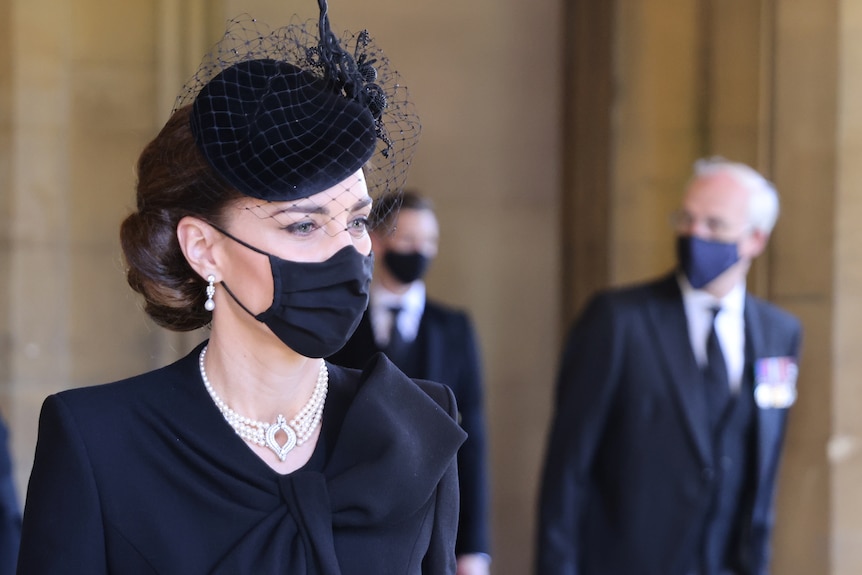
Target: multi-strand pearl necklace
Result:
[298, 430]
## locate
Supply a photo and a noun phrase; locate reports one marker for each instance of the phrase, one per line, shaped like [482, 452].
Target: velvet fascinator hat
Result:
[284, 114]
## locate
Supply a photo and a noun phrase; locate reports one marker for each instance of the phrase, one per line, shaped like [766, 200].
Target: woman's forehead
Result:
[349, 195]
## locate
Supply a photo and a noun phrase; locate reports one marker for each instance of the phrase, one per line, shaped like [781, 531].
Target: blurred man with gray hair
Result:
[671, 404]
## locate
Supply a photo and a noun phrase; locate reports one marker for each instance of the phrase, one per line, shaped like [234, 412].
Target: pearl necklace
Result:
[264, 434]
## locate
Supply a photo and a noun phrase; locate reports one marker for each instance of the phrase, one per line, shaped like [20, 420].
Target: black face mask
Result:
[703, 260]
[407, 268]
[316, 306]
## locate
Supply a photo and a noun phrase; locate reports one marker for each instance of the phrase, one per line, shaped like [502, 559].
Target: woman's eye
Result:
[358, 226]
[301, 228]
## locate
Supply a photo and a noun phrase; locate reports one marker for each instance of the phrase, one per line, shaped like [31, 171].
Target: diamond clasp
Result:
[281, 450]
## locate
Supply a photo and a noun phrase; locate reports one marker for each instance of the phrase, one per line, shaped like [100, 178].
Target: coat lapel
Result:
[668, 322]
[430, 350]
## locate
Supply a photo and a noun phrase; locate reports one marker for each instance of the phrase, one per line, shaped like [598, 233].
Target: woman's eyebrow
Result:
[303, 209]
[361, 204]
[316, 209]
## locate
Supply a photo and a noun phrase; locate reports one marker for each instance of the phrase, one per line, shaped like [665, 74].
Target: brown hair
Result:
[174, 181]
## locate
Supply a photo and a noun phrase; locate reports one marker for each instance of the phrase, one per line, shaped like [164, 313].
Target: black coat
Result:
[628, 473]
[445, 350]
[145, 476]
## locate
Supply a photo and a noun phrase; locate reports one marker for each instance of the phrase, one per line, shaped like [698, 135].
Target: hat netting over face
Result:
[284, 114]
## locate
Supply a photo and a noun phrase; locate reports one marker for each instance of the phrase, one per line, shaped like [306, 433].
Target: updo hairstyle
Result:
[174, 181]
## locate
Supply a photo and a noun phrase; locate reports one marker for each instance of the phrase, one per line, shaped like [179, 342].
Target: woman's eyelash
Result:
[301, 227]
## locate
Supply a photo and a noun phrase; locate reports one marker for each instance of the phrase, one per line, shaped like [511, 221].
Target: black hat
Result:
[276, 132]
[283, 115]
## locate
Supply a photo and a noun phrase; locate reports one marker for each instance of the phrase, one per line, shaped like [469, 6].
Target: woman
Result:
[252, 454]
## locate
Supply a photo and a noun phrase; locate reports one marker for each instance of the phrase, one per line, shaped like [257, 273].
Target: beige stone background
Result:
[557, 135]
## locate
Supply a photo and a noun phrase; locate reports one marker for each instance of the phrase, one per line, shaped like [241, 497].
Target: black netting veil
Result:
[282, 114]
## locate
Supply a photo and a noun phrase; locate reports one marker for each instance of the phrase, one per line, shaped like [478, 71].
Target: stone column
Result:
[806, 85]
[772, 84]
[79, 105]
[36, 197]
[845, 399]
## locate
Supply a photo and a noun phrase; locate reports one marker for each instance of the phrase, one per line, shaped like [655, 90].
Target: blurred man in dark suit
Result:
[427, 340]
[671, 405]
[10, 510]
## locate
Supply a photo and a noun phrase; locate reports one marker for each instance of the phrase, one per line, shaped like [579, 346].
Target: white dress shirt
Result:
[729, 326]
[412, 304]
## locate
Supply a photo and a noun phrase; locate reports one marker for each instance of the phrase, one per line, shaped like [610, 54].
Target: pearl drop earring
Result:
[209, 305]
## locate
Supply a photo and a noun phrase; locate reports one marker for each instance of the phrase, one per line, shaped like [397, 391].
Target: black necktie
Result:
[397, 347]
[715, 375]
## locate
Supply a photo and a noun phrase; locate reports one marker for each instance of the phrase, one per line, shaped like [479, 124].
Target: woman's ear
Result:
[196, 238]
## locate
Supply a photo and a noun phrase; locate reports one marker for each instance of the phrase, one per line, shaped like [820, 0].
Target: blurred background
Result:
[557, 136]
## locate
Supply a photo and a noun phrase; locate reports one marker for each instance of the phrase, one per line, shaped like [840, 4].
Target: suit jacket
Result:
[629, 467]
[10, 512]
[145, 476]
[445, 350]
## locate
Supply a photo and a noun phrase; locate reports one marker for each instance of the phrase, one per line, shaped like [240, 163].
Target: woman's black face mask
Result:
[316, 306]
